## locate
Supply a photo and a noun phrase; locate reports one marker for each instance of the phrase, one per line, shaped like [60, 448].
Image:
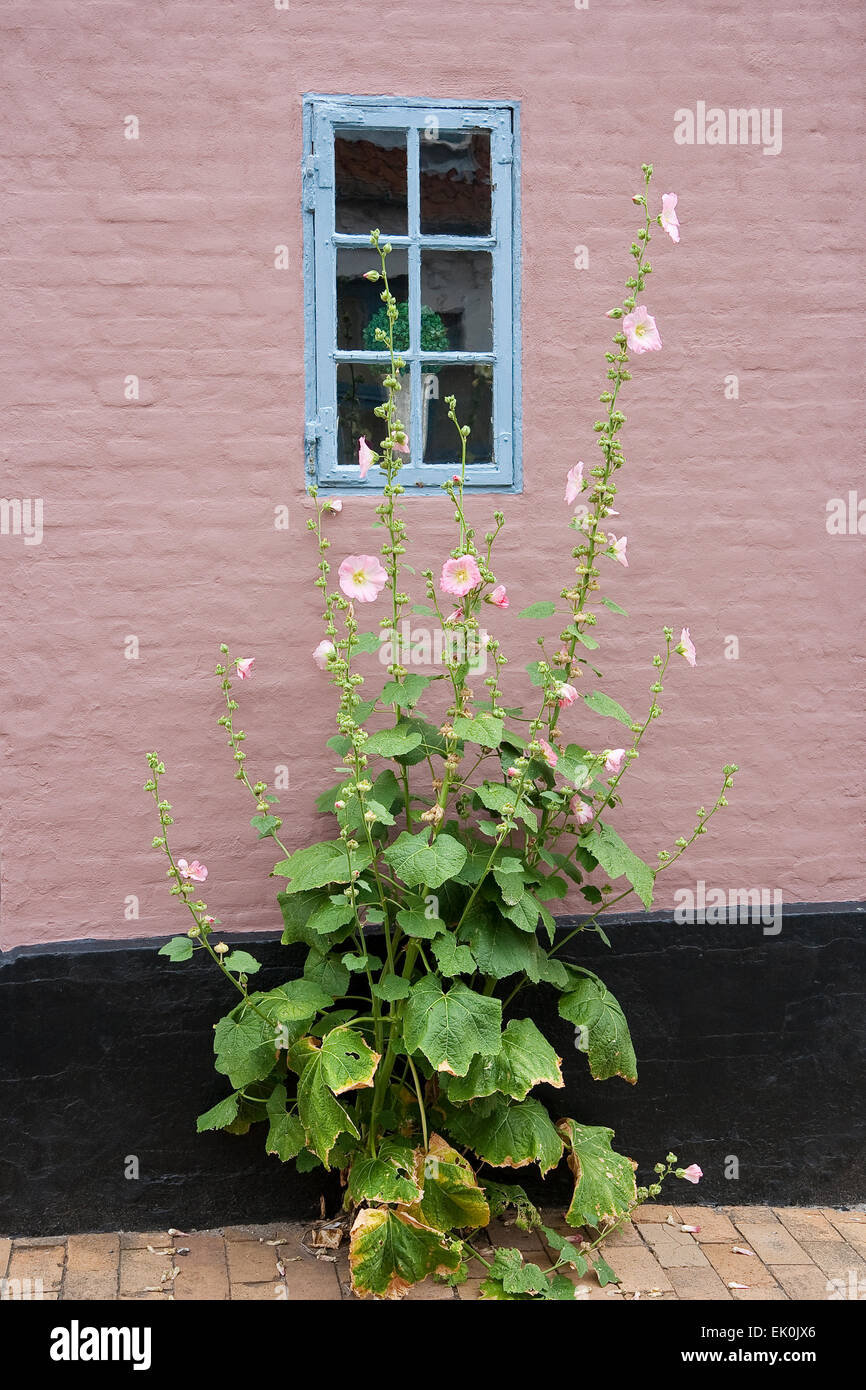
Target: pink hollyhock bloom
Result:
[365, 456]
[691, 1174]
[618, 547]
[613, 760]
[325, 649]
[550, 754]
[574, 483]
[640, 330]
[403, 448]
[196, 871]
[581, 811]
[455, 617]
[669, 220]
[566, 695]
[335, 505]
[686, 647]
[460, 576]
[245, 667]
[499, 597]
[362, 577]
[512, 772]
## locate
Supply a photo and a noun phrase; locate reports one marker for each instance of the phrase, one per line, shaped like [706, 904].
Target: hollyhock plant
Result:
[245, 667]
[362, 577]
[686, 647]
[403, 1052]
[640, 330]
[668, 219]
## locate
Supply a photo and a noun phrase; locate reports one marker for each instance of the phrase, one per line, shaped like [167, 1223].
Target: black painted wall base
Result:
[751, 1052]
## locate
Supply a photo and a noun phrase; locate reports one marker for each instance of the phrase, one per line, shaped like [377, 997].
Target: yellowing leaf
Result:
[391, 1250]
[604, 1185]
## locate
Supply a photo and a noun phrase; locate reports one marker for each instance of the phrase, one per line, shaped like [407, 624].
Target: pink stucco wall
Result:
[155, 258]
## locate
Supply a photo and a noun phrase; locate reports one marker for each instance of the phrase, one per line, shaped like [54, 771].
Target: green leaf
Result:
[392, 743]
[415, 922]
[614, 607]
[390, 1251]
[591, 1007]
[265, 825]
[245, 1047]
[405, 693]
[451, 958]
[534, 673]
[367, 642]
[391, 987]
[297, 909]
[451, 1195]
[286, 1133]
[348, 1063]
[604, 1180]
[452, 1027]
[382, 814]
[322, 1116]
[329, 916]
[516, 1276]
[241, 962]
[501, 949]
[615, 857]
[496, 796]
[315, 866]
[604, 1273]
[417, 863]
[526, 1059]
[508, 1133]
[219, 1115]
[603, 704]
[483, 729]
[545, 609]
[389, 1177]
[294, 1002]
[179, 948]
[328, 971]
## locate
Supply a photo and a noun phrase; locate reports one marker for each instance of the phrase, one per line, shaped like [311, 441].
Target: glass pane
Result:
[472, 384]
[359, 391]
[370, 181]
[360, 310]
[455, 182]
[456, 298]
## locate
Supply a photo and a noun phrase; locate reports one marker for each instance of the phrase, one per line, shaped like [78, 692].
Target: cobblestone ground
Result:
[757, 1253]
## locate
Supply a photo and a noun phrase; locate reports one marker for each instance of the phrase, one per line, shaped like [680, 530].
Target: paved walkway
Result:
[735, 1253]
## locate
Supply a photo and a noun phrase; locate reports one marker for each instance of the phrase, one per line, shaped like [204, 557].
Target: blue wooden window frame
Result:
[323, 115]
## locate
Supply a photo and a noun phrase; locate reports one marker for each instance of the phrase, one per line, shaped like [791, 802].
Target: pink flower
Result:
[460, 576]
[245, 667]
[455, 617]
[618, 547]
[512, 772]
[686, 647]
[402, 448]
[365, 456]
[668, 218]
[640, 330]
[581, 811]
[574, 483]
[550, 754]
[566, 695]
[613, 760]
[325, 649]
[362, 577]
[691, 1174]
[334, 504]
[196, 871]
[498, 596]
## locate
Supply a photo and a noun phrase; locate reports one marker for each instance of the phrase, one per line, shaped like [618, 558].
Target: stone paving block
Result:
[264, 1293]
[698, 1285]
[143, 1297]
[139, 1240]
[742, 1269]
[429, 1292]
[530, 1243]
[715, 1225]
[140, 1270]
[286, 1232]
[835, 1258]
[470, 1291]
[251, 1262]
[774, 1244]
[805, 1281]
[769, 1294]
[651, 1211]
[674, 1248]
[637, 1268]
[806, 1225]
[5, 1252]
[753, 1214]
[203, 1272]
[92, 1267]
[309, 1279]
[43, 1262]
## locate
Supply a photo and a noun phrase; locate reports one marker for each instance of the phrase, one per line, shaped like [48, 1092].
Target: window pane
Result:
[472, 384]
[370, 181]
[455, 183]
[359, 391]
[456, 292]
[360, 310]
